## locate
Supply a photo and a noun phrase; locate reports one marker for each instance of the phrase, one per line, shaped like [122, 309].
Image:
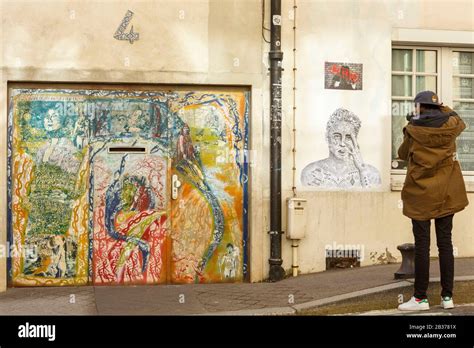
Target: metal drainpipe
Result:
[276, 56]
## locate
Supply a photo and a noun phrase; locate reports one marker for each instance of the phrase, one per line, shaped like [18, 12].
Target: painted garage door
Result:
[127, 185]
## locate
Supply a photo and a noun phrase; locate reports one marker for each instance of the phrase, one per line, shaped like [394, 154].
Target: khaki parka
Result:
[434, 186]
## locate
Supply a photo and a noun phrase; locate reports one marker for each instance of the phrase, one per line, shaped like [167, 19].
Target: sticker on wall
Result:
[344, 168]
[276, 20]
[342, 76]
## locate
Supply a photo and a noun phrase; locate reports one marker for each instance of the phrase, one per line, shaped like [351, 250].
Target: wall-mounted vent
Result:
[342, 258]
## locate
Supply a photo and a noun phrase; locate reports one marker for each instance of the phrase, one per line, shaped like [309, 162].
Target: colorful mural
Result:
[90, 180]
[214, 177]
[129, 218]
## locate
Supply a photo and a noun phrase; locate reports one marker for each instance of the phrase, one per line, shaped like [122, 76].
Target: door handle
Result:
[175, 185]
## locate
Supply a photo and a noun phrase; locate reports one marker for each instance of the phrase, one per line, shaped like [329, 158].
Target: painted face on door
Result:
[52, 121]
[340, 140]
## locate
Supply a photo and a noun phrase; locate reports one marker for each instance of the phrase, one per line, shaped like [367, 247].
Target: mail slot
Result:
[127, 149]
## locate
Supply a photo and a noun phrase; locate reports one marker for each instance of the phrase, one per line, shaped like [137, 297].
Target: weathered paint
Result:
[107, 217]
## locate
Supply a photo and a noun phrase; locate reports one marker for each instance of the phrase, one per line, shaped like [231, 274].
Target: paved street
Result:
[288, 296]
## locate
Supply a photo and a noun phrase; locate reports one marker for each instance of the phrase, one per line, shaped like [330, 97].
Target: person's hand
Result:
[446, 109]
[354, 152]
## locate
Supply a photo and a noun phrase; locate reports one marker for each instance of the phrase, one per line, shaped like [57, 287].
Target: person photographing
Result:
[434, 189]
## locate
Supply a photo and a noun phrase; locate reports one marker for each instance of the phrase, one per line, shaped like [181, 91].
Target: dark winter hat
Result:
[427, 97]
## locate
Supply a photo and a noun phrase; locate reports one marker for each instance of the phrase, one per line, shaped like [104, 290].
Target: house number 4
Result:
[120, 33]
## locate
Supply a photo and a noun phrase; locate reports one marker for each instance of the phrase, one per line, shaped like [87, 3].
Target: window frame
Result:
[444, 89]
[449, 76]
[414, 74]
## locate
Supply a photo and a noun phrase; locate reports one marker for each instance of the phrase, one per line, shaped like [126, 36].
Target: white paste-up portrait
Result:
[344, 168]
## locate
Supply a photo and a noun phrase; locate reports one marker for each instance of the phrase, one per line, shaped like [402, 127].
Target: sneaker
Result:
[415, 304]
[447, 302]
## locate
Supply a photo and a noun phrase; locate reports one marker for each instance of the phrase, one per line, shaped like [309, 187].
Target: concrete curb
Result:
[438, 279]
[338, 298]
[260, 311]
[295, 309]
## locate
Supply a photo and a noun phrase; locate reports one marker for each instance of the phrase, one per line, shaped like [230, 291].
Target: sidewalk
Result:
[463, 309]
[288, 296]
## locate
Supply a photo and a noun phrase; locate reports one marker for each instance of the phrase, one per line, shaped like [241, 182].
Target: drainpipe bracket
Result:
[275, 55]
[282, 69]
[275, 232]
[275, 262]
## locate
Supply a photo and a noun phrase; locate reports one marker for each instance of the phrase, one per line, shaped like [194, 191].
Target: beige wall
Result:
[219, 42]
[181, 42]
[358, 32]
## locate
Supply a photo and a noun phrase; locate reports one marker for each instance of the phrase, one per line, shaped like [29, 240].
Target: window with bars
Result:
[449, 72]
